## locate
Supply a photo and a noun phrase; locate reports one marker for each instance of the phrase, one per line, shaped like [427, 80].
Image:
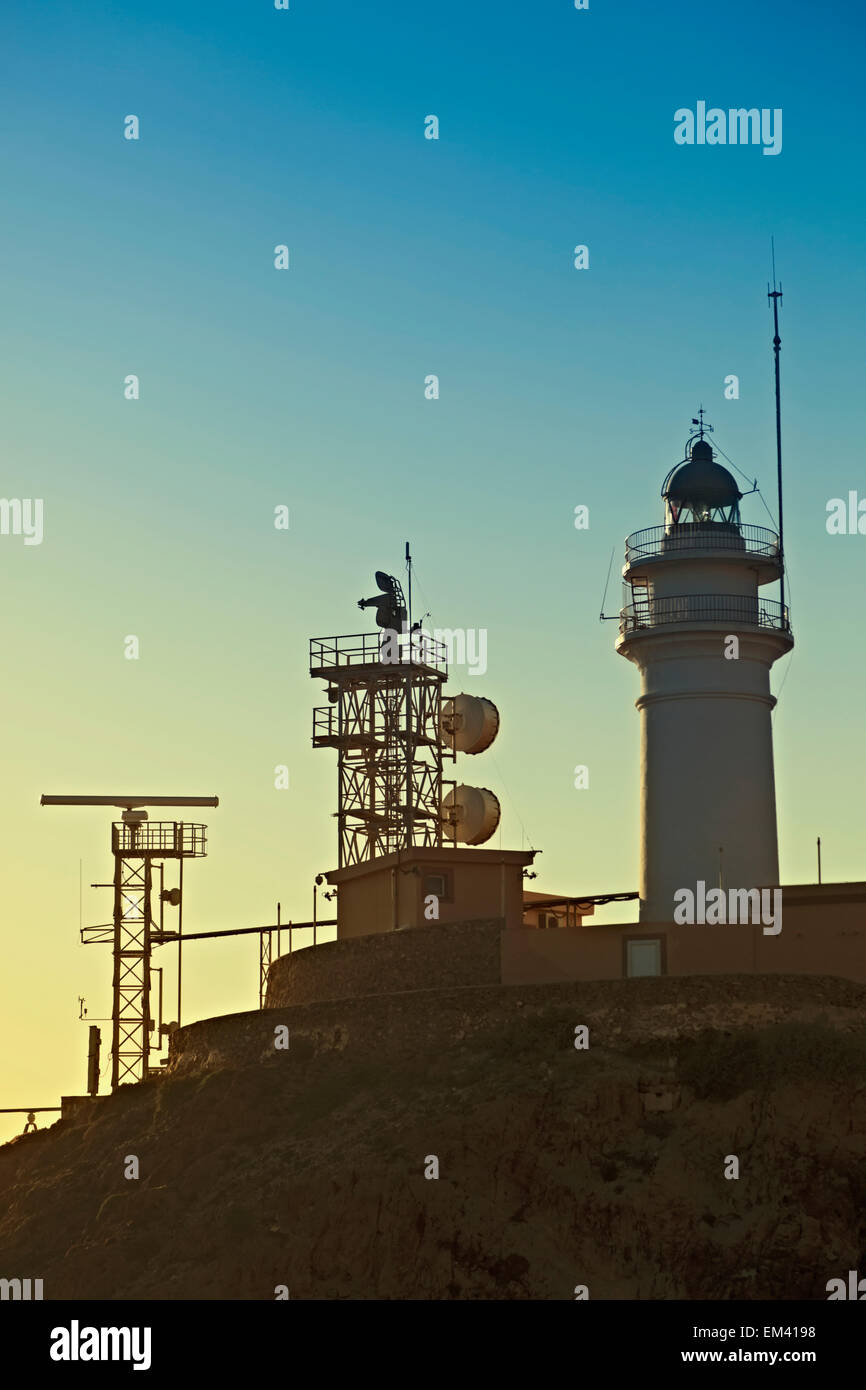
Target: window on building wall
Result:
[644, 956]
[438, 886]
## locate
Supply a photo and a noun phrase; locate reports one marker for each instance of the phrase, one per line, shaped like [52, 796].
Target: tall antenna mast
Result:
[409, 584]
[776, 296]
[137, 844]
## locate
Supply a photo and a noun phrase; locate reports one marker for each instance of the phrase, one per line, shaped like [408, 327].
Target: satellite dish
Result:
[471, 814]
[389, 604]
[469, 723]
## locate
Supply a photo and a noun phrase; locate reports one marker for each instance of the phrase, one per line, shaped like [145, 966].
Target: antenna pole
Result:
[606, 582]
[180, 941]
[409, 585]
[776, 295]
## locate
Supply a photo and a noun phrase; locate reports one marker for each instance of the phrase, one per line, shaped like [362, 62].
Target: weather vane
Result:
[700, 423]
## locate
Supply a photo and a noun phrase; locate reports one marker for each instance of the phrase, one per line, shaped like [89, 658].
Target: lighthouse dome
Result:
[699, 489]
[701, 484]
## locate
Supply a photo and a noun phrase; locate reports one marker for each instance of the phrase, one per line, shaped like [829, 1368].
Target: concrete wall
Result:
[817, 938]
[596, 953]
[363, 901]
[617, 1012]
[435, 956]
[823, 933]
[389, 893]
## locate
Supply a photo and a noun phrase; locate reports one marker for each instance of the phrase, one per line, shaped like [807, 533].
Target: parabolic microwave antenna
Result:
[472, 813]
[469, 724]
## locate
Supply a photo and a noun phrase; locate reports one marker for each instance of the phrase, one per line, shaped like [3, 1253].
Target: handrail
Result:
[701, 535]
[175, 839]
[366, 649]
[741, 609]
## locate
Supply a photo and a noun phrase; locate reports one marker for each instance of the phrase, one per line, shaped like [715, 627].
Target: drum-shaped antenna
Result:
[471, 814]
[469, 723]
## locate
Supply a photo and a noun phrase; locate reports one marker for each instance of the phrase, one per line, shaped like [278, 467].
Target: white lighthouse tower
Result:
[704, 638]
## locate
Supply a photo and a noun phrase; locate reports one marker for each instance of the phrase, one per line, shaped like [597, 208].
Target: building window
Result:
[644, 955]
[438, 886]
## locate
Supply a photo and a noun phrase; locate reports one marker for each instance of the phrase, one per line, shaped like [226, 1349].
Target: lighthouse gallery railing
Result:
[741, 610]
[696, 535]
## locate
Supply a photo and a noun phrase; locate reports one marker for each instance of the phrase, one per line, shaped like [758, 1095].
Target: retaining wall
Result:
[617, 1012]
[435, 956]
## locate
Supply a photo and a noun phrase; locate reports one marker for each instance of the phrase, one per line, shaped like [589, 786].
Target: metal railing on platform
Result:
[377, 648]
[701, 535]
[173, 838]
[740, 610]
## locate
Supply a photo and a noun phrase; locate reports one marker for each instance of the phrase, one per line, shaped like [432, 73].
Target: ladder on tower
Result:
[641, 603]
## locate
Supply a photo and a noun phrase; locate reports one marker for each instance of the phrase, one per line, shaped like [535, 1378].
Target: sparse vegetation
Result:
[720, 1066]
[306, 1168]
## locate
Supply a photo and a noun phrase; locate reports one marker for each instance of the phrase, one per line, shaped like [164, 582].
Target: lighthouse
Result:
[696, 624]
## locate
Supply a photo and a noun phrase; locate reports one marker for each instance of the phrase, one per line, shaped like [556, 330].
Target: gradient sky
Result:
[305, 387]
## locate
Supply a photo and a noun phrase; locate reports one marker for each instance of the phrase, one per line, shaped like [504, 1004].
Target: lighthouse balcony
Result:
[733, 610]
[715, 536]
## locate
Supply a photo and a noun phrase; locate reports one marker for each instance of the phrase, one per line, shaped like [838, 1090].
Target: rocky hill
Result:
[557, 1166]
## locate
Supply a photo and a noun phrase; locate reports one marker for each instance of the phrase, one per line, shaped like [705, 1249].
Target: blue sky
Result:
[408, 257]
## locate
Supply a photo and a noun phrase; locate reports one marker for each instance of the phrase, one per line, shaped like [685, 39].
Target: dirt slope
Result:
[308, 1171]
